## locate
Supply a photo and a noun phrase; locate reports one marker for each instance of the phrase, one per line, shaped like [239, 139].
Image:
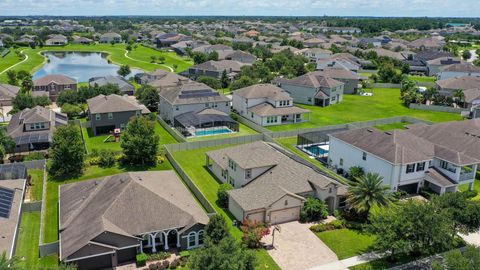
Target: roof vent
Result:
[369, 130]
[388, 133]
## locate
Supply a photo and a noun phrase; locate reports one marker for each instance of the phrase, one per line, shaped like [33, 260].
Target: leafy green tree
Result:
[26, 100]
[161, 58]
[153, 59]
[139, 142]
[241, 83]
[367, 192]
[228, 254]
[71, 110]
[106, 158]
[313, 209]
[253, 232]
[212, 82]
[459, 96]
[355, 172]
[224, 79]
[199, 57]
[148, 96]
[124, 70]
[223, 195]
[466, 55]
[217, 229]
[12, 77]
[67, 152]
[6, 143]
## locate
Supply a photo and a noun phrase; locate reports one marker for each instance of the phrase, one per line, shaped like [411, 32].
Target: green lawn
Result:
[97, 142]
[37, 184]
[389, 127]
[384, 103]
[51, 212]
[476, 186]
[244, 131]
[193, 161]
[9, 60]
[381, 264]
[138, 58]
[422, 79]
[347, 243]
[291, 142]
[27, 249]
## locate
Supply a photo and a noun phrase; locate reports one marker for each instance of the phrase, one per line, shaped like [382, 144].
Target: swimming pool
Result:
[212, 131]
[317, 150]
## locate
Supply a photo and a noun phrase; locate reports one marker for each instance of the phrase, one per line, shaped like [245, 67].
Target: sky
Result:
[410, 8]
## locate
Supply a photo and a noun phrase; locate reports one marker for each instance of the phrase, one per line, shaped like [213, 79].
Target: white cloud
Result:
[445, 8]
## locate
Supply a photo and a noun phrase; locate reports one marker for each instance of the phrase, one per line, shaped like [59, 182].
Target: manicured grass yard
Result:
[389, 127]
[91, 172]
[35, 193]
[97, 142]
[422, 79]
[347, 243]
[476, 187]
[193, 162]
[244, 131]
[27, 244]
[138, 58]
[384, 103]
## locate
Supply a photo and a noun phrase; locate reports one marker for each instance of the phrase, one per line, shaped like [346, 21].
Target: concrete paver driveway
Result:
[298, 248]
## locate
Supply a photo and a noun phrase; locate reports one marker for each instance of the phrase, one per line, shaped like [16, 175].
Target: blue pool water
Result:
[316, 150]
[209, 132]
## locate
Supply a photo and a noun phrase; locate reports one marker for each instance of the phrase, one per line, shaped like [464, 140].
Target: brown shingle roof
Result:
[114, 103]
[191, 93]
[266, 109]
[56, 78]
[263, 91]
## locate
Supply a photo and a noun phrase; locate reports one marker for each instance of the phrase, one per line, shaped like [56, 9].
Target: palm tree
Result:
[9, 264]
[369, 191]
[459, 96]
[431, 93]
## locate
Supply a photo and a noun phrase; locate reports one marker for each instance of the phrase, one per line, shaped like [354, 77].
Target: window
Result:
[248, 173]
[410, 168]
[200, 237]
[309, 99]
[364, 156]
[37, 125]
[341, 162]
[420, 166]
[333, 98]
[330, 190]
[138, 113]
[286, 202]
[207, 105]
[122, 127]
[42, 125]
[251, 115]
[224, 174]
[176, 108]
[192, 239]
[110, 115]
[98, 116]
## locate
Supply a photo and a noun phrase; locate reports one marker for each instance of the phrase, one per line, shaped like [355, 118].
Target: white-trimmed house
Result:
[268, 105]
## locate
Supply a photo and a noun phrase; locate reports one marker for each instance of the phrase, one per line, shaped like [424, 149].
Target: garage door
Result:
[259, 216]
[98, 262]
[285, 215]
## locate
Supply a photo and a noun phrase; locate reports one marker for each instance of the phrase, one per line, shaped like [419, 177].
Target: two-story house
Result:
[192, 106]
[110, 37]
[270, 184]
[458, 70]
[313, 89]
[52, 85]
[107, 113]
[267, 105]
[440, 156]
[32, 129]
[215, 69]
[315, 54]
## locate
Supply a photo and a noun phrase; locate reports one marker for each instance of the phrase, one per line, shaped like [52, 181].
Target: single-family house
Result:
[458, 70]
[56, 40]
[427, 44]
[240, 56]
[159, 78]
[110, 37]
[439, 156]
[267, 105]
[448, 86]
[315, 54]
[168, 39]
[52, 85]
[32, 129]
[314, 42]
[7, 94]
[313, 89]
[126, 88]
[192, 107]
[215, 69]
[82, 40]
[270, 184]
[350, 78]
[107, 113]
[12, 193]
[435, 66]
[107, 222]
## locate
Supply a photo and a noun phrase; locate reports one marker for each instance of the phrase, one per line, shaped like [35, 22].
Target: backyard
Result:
[347, 243]
[244, 131]
[139, 57]
[193, 163]
[384, 103]
[100, 143]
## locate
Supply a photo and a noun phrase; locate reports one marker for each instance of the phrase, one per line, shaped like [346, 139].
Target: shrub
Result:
[223, 195]
[313, 209]
[152, 267]
[185, 254]
[334, 225]
[166, 264]
[141, 259]
[158, 256]
[106, 158]
[355, 173]
[470, 193]
[174, 264]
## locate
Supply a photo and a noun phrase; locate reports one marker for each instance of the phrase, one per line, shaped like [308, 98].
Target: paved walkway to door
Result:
[298, 248]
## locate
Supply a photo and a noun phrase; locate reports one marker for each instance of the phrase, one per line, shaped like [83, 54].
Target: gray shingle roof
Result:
[191, 93]
[34, 115]
[8, 91]
[129, 204]
[114, 103]
[57, 78]
[9, 225]
[263, 91]
[266, 109]
[464, 82]
[313, 80]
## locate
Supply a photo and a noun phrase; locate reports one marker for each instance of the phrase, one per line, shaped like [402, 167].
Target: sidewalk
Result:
[346, 263]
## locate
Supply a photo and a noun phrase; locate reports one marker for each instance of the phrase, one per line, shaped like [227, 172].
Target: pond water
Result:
[79, 65]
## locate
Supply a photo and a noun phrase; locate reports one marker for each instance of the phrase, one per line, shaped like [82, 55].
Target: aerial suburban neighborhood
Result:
[288, 140]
